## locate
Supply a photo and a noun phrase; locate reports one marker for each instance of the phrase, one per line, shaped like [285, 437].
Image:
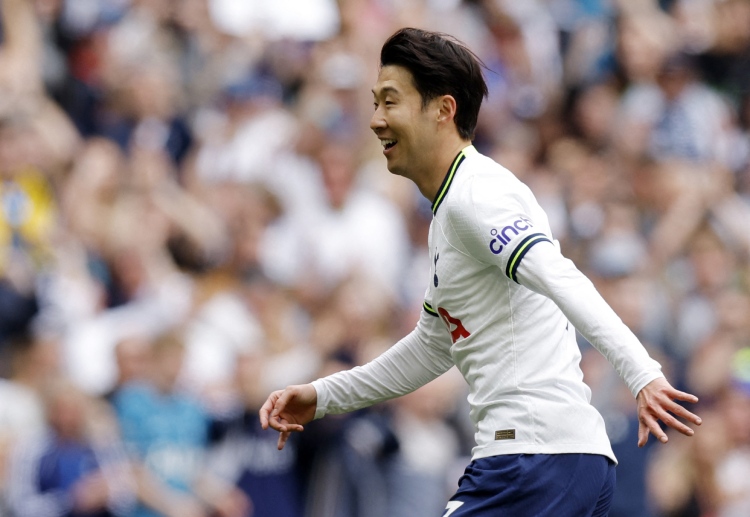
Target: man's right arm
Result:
[414, 361]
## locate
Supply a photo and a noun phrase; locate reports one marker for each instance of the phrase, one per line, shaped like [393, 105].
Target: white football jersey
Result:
[502, 305]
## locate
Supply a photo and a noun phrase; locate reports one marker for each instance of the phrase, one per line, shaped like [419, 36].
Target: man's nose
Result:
[377, 122]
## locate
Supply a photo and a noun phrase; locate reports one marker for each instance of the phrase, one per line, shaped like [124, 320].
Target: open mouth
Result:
[388, 144]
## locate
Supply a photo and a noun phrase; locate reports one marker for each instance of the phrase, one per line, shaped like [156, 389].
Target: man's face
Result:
[406, 130]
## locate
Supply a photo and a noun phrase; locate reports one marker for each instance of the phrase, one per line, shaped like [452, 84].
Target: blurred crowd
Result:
[194, 212]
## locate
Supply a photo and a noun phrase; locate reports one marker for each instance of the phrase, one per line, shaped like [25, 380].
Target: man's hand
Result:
[288, 409]
[656, 401]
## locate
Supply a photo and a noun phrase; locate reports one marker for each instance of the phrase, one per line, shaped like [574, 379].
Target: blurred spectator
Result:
[131, 356]
[246, 457]
[350, 476]
[307, 21]
[355, 233]
[165, 431]
[693, 119]
[78, 468]
[594, 113]
[148, 116]
[711, 476]
[421, 474]
[733, 468]
[710, 272]
[28, 362]
[221, 329]
[252, 128]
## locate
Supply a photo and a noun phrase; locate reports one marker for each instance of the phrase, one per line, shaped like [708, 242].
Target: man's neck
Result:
[429, 178]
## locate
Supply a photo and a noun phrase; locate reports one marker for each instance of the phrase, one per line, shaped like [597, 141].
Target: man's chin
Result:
[393, 167]
[398, 171]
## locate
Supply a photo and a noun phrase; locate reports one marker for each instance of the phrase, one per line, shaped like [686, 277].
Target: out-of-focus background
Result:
[194, 212]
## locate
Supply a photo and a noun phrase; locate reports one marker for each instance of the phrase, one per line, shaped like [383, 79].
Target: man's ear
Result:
[446, 106]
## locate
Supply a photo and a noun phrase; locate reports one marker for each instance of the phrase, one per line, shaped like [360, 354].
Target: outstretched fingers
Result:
[666, 409]
[683, 396]
[657, 402]
[648, 425]
[682, 412]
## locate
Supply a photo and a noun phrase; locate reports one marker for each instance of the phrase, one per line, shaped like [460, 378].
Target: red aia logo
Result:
[454, 325]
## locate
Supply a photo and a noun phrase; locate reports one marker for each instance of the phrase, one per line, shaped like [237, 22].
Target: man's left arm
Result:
[546, 271]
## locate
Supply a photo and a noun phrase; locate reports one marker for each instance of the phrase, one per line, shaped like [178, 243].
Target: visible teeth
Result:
[386, 143]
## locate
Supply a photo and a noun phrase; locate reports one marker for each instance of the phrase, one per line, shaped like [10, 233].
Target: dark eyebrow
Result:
[386, 90]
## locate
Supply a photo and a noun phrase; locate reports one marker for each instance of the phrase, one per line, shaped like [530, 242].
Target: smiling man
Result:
[502, 305]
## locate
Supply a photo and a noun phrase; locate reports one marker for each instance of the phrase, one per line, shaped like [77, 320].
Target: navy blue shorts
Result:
[531, 485]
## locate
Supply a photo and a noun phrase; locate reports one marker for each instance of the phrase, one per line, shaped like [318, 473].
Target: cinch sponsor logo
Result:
[504, 236]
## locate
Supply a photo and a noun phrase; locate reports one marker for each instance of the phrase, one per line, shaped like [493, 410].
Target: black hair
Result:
[440, 65]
